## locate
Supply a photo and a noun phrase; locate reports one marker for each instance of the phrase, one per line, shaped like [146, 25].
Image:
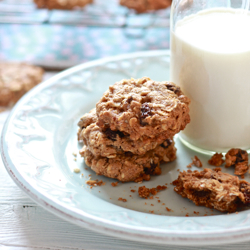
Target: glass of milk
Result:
[210, 61]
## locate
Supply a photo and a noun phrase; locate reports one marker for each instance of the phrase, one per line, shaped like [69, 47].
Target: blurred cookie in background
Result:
[61, 4]
[3, 109]
[141, 6]
[16, 79]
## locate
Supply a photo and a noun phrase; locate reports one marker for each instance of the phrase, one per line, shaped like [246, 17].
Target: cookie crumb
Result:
[114, 184]
[132, 190]
[216, 160]
[195, 162]
[160, 188]
[95, 183]
[74, 154]
[153, 191]
[145, 192]
[121, 199]
[169, 210]
[77, 170]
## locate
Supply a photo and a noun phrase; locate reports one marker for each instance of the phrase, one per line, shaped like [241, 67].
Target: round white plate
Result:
[39, 140]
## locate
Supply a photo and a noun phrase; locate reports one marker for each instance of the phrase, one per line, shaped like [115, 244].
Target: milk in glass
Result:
[210, 60]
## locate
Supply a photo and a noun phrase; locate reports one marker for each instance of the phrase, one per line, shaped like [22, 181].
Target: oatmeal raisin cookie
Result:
[109, 143]
[129, 167]
[141, 6]
[16, 79]
[61, 4]
[143, 107]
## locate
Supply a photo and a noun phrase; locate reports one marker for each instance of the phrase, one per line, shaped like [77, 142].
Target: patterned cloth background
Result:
[70, 45]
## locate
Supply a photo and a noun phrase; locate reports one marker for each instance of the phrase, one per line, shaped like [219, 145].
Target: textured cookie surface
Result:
[213, 189]
[130, 167]
[61, 4]
[144, 107]
[16, 79]
[141, 6]
[109, 143]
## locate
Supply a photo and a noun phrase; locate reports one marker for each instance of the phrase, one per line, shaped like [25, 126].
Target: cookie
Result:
[141, 6]
[143, 107]
[61, 4]
[16, 79]
[109, 143]
[213, 189]
[129, 167]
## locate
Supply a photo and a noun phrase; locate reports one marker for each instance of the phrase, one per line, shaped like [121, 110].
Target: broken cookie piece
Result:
[213, 189]
[237, 158]
[216, 160]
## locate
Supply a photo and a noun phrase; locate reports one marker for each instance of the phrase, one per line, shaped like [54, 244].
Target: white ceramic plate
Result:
[38, 142]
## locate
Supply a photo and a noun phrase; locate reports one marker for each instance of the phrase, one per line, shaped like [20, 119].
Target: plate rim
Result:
[72, 216]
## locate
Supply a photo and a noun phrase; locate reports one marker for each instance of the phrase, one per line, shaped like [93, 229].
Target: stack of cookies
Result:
[130, 132]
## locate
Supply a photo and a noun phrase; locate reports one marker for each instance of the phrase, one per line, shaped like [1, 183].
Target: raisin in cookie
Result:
[16, 79]
[141, 6]
[61, 4]
[213, 189]
[109, 143]
[130, 167]
[144, 107]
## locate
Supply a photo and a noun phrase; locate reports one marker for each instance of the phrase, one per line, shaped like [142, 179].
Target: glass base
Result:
[200, 150]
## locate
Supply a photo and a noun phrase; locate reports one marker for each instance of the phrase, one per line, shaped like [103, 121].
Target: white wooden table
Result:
[24, 225]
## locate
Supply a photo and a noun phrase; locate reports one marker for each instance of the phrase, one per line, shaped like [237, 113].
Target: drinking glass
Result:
[210, 61]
